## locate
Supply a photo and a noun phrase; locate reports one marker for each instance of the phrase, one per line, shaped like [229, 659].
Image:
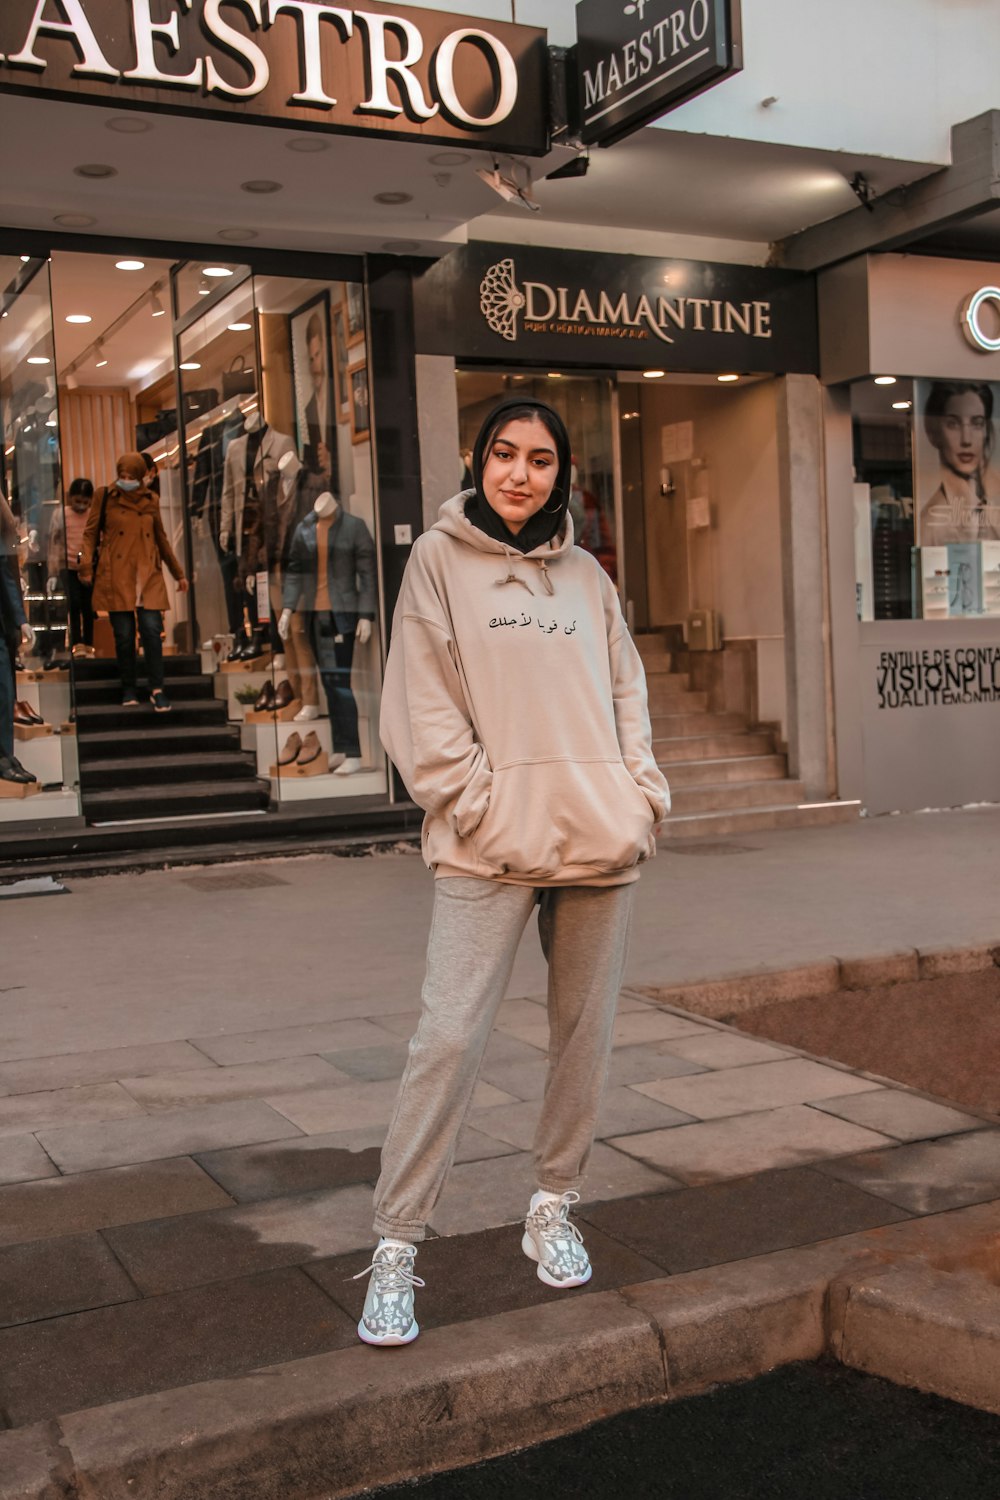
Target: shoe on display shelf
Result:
[388, 1317]
[307, 713]
[265, 698]
[26, 774]
[311, 750]
[12, 770]
[283, 695]
[349, 766]
[290, 750]
[555, 1243]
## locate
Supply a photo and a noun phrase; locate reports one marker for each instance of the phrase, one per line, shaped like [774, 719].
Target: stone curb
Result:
[326, 1427]
[729, 995]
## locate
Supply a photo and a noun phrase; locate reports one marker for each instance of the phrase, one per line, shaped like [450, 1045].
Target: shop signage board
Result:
[635, 62]
[383, 70]
[511, 304]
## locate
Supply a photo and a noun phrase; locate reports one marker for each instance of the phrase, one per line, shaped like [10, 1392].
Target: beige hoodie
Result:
[514, 706]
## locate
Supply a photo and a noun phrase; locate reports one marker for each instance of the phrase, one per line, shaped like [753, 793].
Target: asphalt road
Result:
[805, 1432]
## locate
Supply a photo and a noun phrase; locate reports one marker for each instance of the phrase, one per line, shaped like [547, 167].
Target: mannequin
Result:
[331, 577]
[14, 632]
[251, 462]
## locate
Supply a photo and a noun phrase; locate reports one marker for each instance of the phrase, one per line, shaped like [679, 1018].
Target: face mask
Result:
[128, 484]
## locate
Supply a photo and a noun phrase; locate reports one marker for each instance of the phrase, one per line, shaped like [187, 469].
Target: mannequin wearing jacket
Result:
[14, 632]
[251, 463]
[330, 576]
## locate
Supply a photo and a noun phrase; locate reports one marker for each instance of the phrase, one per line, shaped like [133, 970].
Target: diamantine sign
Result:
[387, 70]
[619, 311]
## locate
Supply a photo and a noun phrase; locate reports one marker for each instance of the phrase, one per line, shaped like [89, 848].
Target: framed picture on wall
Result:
[357, 376]
[355, 312]
[313, 384]
[338, 316]
[957, 481]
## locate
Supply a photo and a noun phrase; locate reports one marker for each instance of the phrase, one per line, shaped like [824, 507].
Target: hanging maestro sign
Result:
[521, 303]
[634, 62]
[381, 70]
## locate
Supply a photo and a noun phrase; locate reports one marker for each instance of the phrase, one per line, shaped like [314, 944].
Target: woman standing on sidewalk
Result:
[124, 529]
[514, 706]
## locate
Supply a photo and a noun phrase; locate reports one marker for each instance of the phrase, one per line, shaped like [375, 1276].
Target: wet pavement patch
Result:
[804, 1432]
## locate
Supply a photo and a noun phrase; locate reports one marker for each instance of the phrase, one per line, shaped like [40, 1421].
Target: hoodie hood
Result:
[545, 524]
[454, 521]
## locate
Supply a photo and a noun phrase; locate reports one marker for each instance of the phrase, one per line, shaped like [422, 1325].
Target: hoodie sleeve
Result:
[628, 689]
[426, 727]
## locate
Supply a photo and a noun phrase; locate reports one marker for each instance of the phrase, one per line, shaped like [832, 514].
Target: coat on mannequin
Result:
[330, 577]
[251, 459]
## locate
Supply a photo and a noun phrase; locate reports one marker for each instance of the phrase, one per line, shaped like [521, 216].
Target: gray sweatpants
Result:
[475, 931]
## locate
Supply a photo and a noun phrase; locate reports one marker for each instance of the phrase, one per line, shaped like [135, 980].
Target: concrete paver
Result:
[742, 1090]
[929, 1177]
[243, 1081]
[59, 1276]
[353, 1105]
[95, 1200]
[722, 1049]
[288, 1041]
[905, 1117]
[20, 1113]
[22, 1160]
[84, 1148]
[69, 1072]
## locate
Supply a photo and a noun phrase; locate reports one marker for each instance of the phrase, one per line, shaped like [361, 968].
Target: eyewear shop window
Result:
[210, 632]
[927, 498]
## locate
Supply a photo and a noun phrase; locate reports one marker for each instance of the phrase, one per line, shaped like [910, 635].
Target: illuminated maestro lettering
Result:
[392, 48]
[655, 51]
[971, 319]
[561, 304]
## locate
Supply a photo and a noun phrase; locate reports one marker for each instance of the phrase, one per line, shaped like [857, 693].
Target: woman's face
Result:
[520, 470]
[963, 434]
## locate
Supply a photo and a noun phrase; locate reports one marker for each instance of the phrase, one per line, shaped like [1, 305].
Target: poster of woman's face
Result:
[360, 414]
[312, 379]
[957, 483]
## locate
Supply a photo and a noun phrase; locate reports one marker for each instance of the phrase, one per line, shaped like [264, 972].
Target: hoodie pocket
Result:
[549, 817]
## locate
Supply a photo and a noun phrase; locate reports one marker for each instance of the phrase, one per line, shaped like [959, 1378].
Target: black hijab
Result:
[545, 524]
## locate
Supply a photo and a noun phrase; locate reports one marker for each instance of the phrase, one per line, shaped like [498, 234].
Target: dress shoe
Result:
[12, 770]
[24, 714]
[311, 749]
[289, 753]
[265, 698]
[349, 766]
[28, 775]
[283, 694]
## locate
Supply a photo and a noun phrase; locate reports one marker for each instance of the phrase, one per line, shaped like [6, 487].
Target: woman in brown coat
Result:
[124, 523]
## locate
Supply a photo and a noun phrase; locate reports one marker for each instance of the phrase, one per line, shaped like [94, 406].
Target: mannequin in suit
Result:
[331, 578]
[251, 463]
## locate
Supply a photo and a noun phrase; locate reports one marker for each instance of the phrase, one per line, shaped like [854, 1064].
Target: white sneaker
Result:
[349, 766]
[307, 712]
[388, 1316]
[556, 1244]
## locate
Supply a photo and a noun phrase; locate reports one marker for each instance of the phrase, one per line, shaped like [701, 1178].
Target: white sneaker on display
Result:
[336, 760]
[388, 1317]
[555, 1243]
[350, 765]
[278, 663]
[306, 712]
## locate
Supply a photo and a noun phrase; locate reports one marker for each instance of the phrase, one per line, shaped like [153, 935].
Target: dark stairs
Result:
[137, 765]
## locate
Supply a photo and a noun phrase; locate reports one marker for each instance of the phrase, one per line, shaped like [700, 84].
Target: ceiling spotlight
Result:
[307, 144]
[237, 235]
[51, 422]
[25, 259]
[130, 265]
[38, 359]
[449, 159]
[203, 288]
[508, 187]
[393, 200]
[401, 247]
[239, 327]
[217, 271]
[555, 374]
[74, 221]
[653, 374]
[725, 378]
[578, 166]
[95, 169]
[189, 364]
[128, 125]
[901, 405]
[156, 306]
[78, 318]
[261, 185]
[71, 381]
[885, 380]
[100, 358]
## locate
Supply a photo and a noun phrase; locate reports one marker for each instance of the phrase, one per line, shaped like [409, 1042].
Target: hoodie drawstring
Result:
[513, 577]
[547, 581]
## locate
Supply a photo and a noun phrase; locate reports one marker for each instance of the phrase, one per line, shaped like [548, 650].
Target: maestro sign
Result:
[498, 303]
[379, 69]
[636, 61]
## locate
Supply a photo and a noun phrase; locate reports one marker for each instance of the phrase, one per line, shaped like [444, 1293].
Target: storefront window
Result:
[584, 403]
[281, 503]
[927, 498]
[39, 768]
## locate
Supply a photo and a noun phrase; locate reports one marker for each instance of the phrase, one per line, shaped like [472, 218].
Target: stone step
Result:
[174, 800]
[158, 770]
[759, 820]
[165, 738]
[687, 722]
[100, 717]
[741, 768]
[731, 795]
[108, 690]
[669, 695]
[713, 746]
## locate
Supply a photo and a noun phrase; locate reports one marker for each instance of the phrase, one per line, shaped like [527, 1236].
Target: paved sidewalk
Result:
[196, 1070]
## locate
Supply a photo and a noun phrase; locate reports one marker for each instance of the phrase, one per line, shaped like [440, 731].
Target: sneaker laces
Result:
[552, 1220]
[393, 1270]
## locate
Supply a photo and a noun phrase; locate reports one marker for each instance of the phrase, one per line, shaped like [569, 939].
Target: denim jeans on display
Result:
[150, 623]
[8, 693]
[335, 658]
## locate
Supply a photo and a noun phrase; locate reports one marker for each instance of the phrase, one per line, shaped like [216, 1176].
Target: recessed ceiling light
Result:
[885, 380]
[555, 374]
[725, 378]
[190, 364]
[100, 358]
[449, 158]
[204, 290]
[128, 124]
[239, 327]
[901, 405]
[237, 235]
[392, 200]
[38, 359]
[307, 144]
[401, 247]
[217, 271]
[156, 306]
[261, 185]
[130, 265]
[653, 374]
[78, 318]
[95, 169]
[74, 221]
[25, 259]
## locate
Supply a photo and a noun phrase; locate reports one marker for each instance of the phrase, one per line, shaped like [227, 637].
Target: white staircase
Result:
[725, 777]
